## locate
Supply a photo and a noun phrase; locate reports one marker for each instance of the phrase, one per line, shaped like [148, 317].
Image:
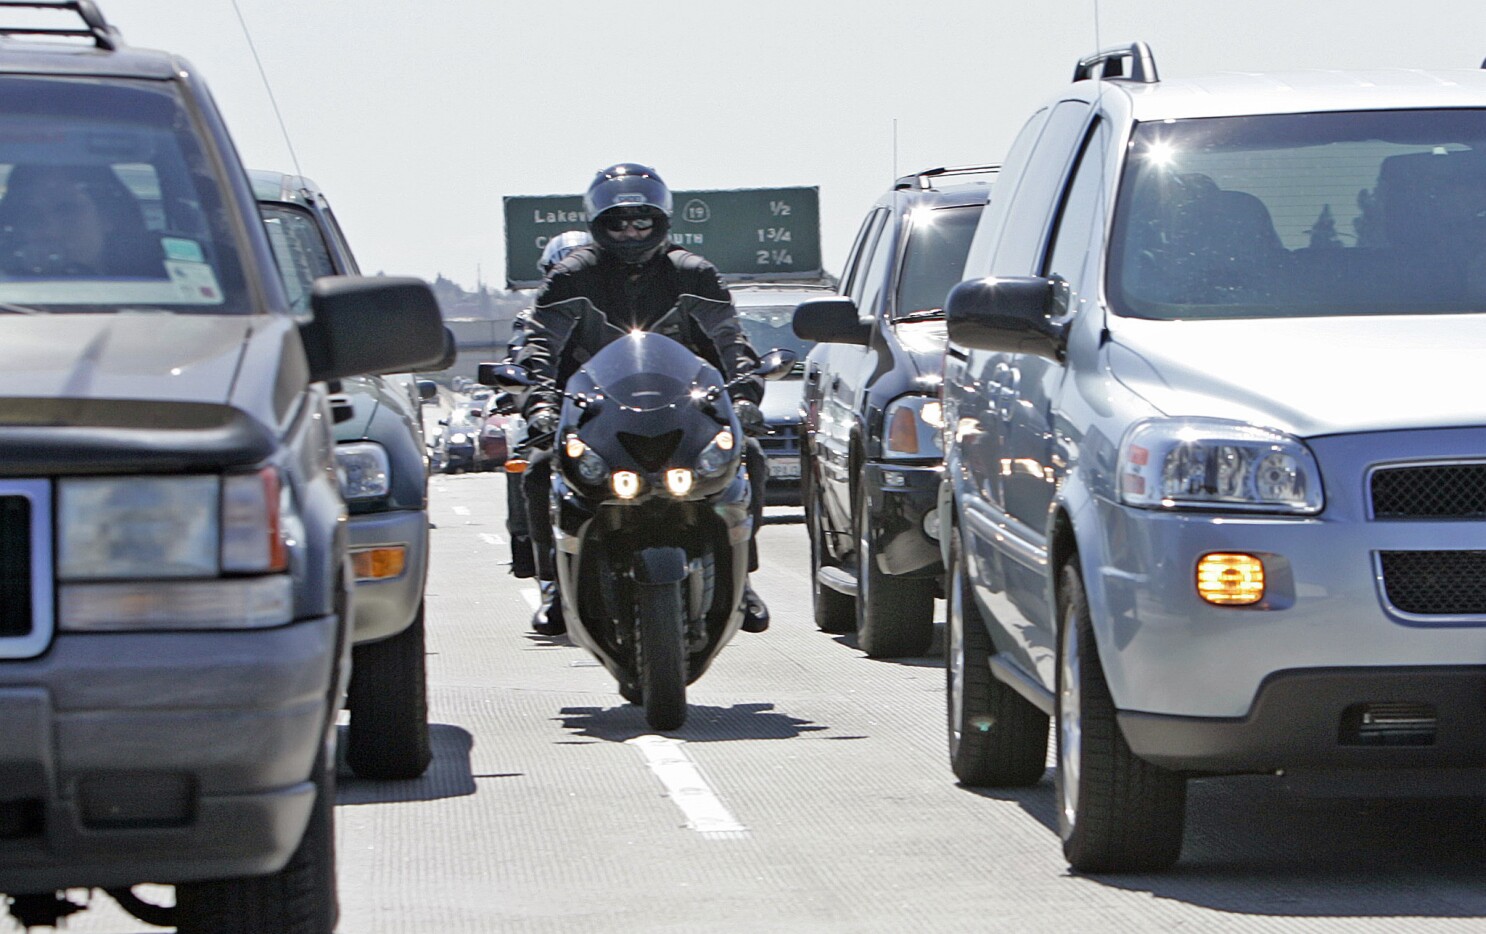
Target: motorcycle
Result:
[651, 512]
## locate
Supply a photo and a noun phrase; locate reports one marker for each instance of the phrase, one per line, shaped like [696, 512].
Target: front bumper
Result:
[161, 757]
[1331, 719]
[901, 501]
[386, 606]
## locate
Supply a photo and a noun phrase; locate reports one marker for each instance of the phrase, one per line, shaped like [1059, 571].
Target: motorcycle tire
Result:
[661, 621]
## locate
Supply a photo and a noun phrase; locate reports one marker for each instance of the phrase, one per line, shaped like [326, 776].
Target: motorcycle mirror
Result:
[508, 376]
[777, 363]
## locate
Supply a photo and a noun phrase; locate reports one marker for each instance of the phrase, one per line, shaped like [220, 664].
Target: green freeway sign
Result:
[762, 232]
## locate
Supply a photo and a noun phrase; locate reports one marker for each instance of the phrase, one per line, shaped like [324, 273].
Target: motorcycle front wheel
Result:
[661, 621]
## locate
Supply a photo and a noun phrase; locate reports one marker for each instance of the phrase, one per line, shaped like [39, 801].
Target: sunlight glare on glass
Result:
[1161, 154]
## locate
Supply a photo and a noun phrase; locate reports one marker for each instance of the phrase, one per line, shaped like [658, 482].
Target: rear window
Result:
[938, 241]
[1303, 214]
[108, 201]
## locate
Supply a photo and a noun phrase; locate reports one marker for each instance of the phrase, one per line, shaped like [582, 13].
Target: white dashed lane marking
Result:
[705, 813]
[491, 539]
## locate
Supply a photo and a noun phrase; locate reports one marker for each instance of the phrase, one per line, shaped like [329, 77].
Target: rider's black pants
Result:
[538, 485]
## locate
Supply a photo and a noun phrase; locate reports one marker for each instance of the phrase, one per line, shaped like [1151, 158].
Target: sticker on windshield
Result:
[180, 248]
[194, 282]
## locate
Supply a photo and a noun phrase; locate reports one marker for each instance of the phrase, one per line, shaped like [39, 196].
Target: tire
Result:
[834, 612]
[997, 738]
[895, 615]
[298, 899]
[388, 698]
[1116, 812]
[661, 612]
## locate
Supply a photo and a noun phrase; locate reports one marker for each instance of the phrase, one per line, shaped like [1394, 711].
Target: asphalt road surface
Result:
[808, 791]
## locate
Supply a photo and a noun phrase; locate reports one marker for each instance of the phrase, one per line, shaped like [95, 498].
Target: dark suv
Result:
[175, 632]
[872, 456]
[383, 475]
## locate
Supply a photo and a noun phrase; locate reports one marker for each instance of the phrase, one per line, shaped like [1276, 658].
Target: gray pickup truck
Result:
[175, 627]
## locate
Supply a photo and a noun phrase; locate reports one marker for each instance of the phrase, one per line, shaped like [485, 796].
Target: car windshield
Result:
[108, 201]
[1303, 215]
[772, 326]
[938, 241]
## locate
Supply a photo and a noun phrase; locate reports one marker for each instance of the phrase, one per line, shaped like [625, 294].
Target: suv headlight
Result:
[1200, 463]
[364, 470]
[913, 427]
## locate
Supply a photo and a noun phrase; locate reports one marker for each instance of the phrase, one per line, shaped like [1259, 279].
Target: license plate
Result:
[785, 468]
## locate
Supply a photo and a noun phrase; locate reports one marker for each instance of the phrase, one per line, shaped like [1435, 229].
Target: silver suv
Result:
[1216, 445]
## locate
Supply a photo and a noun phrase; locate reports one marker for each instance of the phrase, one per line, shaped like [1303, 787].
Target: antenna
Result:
[269, 88]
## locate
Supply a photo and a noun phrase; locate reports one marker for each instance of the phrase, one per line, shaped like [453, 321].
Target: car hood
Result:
[1310, 376]
[162, 357]
[106, 393]
[923, 345]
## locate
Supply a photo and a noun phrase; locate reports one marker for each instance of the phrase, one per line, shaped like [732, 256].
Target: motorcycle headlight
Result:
[364, 470]
[1211, 464]
[717, 455]
[586, 462]
[914, 426]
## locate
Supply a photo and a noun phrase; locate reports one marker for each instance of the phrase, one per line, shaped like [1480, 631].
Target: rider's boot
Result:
[755, 613]
[547, 620]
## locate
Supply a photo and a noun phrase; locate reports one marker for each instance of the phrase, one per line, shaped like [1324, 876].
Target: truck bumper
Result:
[162, 757]
[386, 605]
[902, 502]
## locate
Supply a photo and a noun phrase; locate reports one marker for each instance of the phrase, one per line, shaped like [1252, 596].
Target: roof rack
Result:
[923, 181]
[103, 35]
[1111, 63]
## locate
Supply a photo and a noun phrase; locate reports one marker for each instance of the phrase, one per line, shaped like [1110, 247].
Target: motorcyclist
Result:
[632, 275]
[523, 559]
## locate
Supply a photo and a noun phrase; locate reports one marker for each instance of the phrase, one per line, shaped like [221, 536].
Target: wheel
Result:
[662, 654]
[997, 738]
[1116, 812]
[388, 698]
[835, 612]
[895, 615]
[298, 899]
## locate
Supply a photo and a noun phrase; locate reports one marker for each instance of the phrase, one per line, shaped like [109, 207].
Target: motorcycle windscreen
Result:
[647, 371]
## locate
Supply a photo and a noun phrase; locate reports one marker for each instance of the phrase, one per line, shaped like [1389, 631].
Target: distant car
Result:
[383, 474]
[457, 443]
[872, 456]
[767, 313]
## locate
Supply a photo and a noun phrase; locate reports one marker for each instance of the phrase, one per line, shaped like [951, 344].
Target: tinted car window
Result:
[1081, 209]
[935, 256]
[1022, 237]
[300, 250]
[1303, 214]
[109, 201]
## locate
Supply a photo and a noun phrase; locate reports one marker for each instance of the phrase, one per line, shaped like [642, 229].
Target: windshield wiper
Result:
[8, 308]
[928, 314]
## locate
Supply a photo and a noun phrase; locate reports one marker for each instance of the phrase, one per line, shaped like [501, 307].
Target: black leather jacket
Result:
[590, 298]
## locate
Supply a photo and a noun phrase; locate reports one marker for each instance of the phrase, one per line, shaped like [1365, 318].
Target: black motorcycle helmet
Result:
[626, 191]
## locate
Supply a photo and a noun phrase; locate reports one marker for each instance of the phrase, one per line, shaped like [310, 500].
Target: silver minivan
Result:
[1215, 430]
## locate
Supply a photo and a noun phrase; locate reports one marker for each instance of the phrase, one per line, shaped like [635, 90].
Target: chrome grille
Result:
[15, 567]
[782, 439]
[1430, 491]
[1435, 583]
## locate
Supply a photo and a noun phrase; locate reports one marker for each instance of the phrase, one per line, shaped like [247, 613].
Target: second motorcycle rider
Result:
[632, 277]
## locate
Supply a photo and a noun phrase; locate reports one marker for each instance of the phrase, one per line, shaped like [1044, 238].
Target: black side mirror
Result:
[777, 363]
[1015, 314]
[342, 409]
[427, 389]
[365, 324]
[507, 376]
[832, 320]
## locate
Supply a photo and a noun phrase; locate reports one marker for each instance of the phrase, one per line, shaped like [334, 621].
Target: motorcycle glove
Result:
[750, 417]
[541, 425]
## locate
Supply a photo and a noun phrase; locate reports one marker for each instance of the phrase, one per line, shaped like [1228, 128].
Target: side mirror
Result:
[342, 409]
[365, 324]
[427, 389]
[507, 376]
[832, 320]
[451, 353]
[777, 363]
[1015, 314]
